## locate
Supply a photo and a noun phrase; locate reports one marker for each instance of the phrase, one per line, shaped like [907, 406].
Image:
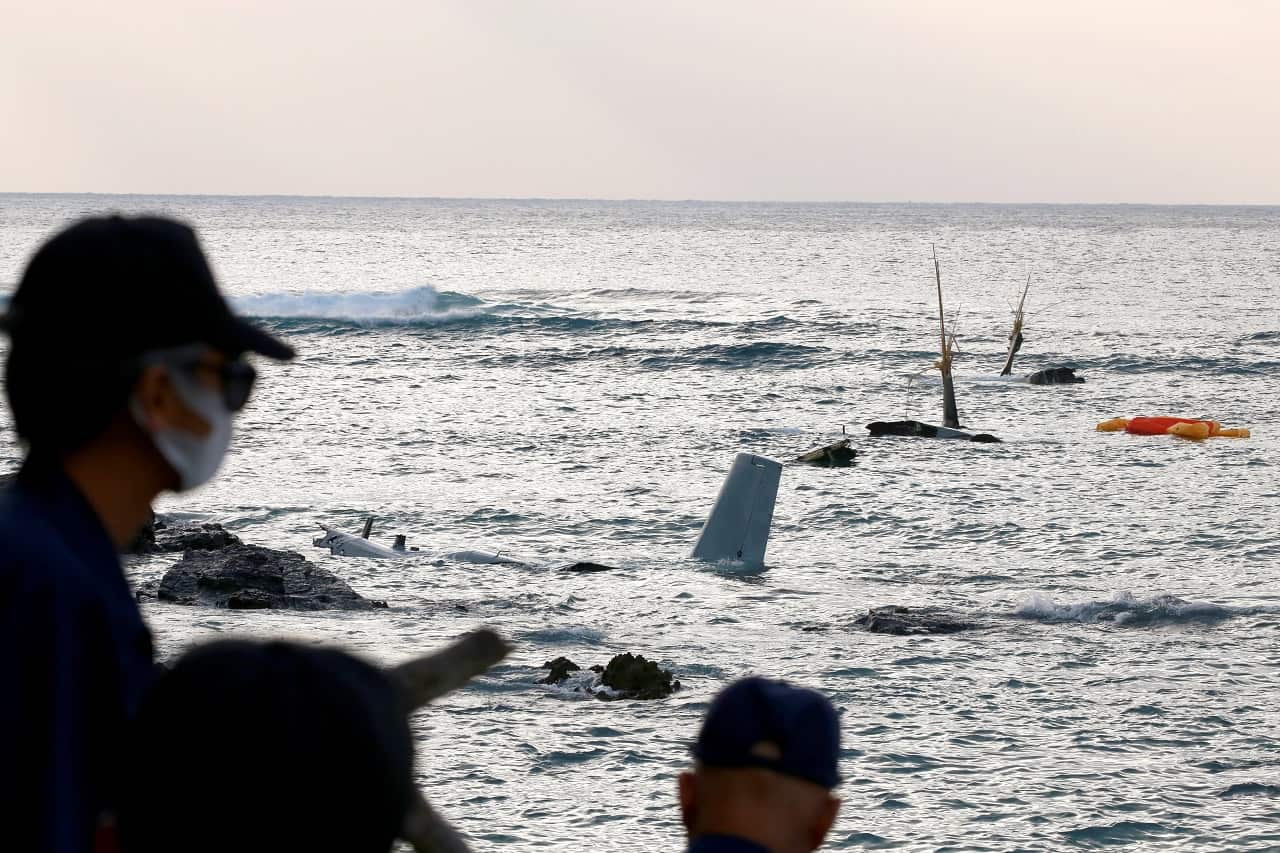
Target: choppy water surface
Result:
[570, 380]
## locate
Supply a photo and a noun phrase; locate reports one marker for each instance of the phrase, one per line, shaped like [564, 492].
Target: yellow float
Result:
[1190, 428]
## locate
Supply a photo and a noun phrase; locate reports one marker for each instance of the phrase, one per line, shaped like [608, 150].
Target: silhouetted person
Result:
[248, 747]
[765, 766]
[122, 375]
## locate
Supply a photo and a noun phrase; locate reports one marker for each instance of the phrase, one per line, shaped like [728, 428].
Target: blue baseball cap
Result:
[760, 722]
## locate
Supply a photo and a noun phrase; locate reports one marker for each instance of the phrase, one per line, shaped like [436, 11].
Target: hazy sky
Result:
[1024, 100]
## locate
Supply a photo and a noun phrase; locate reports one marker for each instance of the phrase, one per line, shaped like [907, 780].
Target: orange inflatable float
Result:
[1192, 428]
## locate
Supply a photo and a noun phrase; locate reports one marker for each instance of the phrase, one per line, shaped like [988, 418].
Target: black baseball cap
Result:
[256, 747]
[121, 286]
[760, 722]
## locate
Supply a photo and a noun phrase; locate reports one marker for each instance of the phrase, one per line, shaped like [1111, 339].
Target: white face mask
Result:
[195, 458]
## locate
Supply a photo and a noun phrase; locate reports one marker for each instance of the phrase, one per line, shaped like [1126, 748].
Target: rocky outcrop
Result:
[159, 537]
[626, 676]
[180, 538]
[250, 577]
[633, 677]
[895, 619]
[560, 669]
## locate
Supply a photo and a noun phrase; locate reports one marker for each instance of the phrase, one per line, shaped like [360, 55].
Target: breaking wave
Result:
[1125, 609]
[417, 305]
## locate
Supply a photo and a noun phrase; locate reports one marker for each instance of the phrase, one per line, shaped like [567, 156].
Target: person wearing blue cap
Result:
[123, 373]
[765, 767]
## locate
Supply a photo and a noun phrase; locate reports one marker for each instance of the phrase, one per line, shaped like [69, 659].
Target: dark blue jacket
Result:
[75, 657]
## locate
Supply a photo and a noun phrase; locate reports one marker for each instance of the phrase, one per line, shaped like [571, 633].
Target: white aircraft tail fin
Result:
[738, 526]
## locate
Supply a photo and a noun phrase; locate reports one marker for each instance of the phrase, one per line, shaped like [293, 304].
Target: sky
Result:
[807, 100]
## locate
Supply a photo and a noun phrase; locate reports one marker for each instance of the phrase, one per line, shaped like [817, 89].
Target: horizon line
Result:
[643, 200]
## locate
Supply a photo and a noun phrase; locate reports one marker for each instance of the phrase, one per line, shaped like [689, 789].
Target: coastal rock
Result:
[627, 676]
[180, 538]
[159, 537]
[906, 621]
[250, 577]
[633, 677]
[560, 669]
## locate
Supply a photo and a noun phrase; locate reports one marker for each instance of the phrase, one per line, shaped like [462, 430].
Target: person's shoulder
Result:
[30, 541]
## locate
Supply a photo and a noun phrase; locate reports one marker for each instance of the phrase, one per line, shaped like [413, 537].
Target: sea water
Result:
[570, 380]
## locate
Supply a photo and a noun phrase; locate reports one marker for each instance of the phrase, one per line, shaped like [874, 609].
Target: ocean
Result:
[570, 380]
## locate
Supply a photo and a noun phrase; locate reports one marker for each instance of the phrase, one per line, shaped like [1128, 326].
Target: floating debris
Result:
[838, 454]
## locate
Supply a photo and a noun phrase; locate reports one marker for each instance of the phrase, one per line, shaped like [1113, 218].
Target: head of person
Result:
[267, 747]
[118, 330]
[765, 767]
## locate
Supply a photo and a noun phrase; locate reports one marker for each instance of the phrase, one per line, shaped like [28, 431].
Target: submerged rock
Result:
[250, 577]
[895, 619]
[560, 669]
[836, 455]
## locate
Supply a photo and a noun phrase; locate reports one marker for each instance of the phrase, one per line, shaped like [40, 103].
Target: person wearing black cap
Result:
[252, 747]
[765, 767]
[123, 371]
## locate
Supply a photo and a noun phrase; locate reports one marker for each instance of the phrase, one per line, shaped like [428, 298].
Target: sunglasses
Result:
[235, 376]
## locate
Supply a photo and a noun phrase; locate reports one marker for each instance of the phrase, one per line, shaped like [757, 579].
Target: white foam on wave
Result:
[1124, 608]
[418, 304]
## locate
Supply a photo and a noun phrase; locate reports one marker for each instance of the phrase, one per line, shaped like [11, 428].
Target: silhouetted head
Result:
[268, 748]
[117, 322]
[766, 762]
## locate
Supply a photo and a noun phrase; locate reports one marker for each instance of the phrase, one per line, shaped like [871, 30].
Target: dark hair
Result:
[248, 747]
[60, 403]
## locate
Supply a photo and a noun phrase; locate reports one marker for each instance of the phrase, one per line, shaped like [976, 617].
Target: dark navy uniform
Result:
[75, 658]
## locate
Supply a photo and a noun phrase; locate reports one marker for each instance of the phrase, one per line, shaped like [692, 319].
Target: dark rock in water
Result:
[636, 678]
[250, 577]
[1055, 376]
[836, 455]
[919, 429]
[560, 669]
[157, 537]
[144, 542]
[627, 676]
[894, 619]
[193, 537]
[585, 566]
